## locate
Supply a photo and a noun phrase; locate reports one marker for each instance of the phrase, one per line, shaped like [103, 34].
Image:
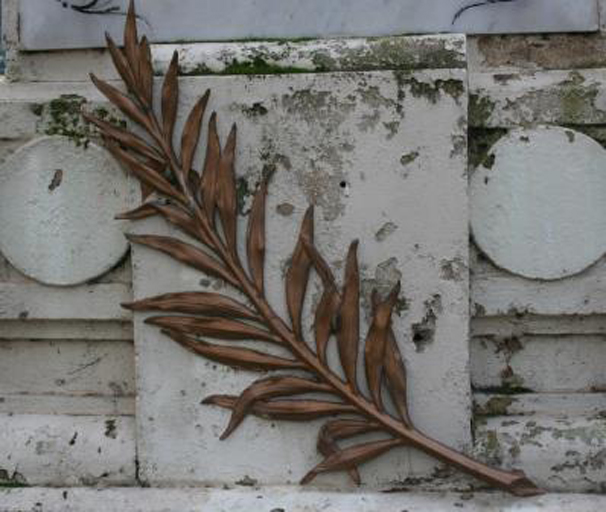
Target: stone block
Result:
[382, 155]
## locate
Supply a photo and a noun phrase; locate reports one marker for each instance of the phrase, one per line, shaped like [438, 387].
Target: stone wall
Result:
[536, 354]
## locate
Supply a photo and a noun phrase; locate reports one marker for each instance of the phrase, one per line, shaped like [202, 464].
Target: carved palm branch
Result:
[203, 206]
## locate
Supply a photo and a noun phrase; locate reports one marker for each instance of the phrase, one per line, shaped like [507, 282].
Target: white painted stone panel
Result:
[500, 293]
[544, 404]
[67, 330]
[559, 454]
[512, 98]
[538, 325]
[57, 204]
[66, 367]
[370, 151]
[74, 405]
[68, 450]
[33, 301]
[49, 25]
[539, 363]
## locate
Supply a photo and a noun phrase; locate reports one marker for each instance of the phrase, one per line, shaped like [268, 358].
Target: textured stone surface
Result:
[536, 203]
[278, 499]
[383, 157]
[559, 454]
[52, 26]
[57, 204]
[66, 450]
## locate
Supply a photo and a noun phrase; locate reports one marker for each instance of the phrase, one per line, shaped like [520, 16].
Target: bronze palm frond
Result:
[204, 207]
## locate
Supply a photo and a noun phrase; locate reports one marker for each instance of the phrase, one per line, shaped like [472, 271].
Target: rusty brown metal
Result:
[196, 205]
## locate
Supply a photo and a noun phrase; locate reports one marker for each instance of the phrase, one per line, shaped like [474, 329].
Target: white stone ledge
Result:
[281, 499]
[65, 330]
[565, 97]
[34, 301]
[258, 57]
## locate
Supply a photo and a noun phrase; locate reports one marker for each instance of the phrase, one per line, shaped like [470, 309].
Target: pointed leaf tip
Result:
[377, 340]
[227, 202]
[267, 388]
[191, 133]
[255, 239]
[297, 276]
[170, 97]
[348, 337]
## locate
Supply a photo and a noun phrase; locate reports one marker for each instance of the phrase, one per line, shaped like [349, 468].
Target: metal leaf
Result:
[177, 216]
[144, 211]
[123, 102]
[348, 336]
[347, 428]
[131, 39]
[351, 457]
[326, 313]
[269, 388]
[328, 307]
[235, 357]
[297, 276]
[185, 253]
[292, 410]
[395, 371]
[191, 132]
[170, 98]
[255, 239]
[334, 430]
[146, 71]
[145, 173]
[208, 184]
[320, 264]
[222, 328]
[120, 63]
[376, 342]
[227, 203]
[194, 303]
[395, 376]
[125, 138]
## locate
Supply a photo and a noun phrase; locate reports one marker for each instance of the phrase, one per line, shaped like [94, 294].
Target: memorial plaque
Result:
[55, 24]
[382, 156]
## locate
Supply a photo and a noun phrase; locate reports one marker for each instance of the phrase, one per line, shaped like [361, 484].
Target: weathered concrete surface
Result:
[497, 293]
[66, 450]
[335, 140]
[536, 202]
[319, 56]
[57, 204]
[528, 98]
[281, 499]
[540, 404]
[559, 364]
[512, 54]
[71, 367]
[560, 454]
[51, 26]
[32, 301]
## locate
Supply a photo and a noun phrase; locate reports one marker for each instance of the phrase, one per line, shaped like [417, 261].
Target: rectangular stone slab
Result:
[49, 25]
[382, 155]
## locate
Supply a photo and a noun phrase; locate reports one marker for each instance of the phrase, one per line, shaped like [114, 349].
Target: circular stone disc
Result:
[538, 208]
[57, 205]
